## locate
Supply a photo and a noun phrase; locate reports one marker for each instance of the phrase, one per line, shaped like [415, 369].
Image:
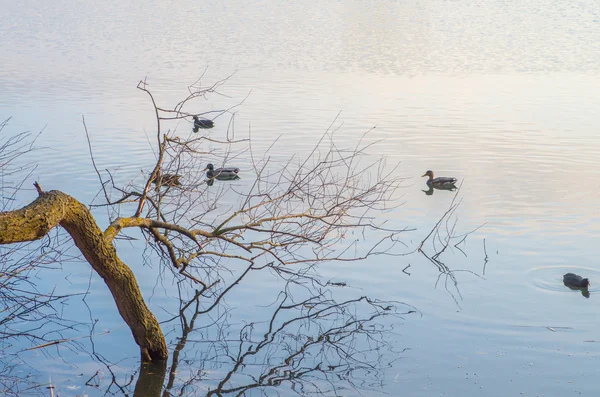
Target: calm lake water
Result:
[501, 95]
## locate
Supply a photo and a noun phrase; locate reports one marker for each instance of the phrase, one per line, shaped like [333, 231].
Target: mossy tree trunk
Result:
[55, 208]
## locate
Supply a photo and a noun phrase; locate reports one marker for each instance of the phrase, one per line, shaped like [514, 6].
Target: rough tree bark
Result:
[55, 208]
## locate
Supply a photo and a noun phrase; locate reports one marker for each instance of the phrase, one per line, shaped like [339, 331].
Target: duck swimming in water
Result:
[577, 283]
[202, 123]
[166, 180]
[441, 182]
[222, 174]
[573, 280]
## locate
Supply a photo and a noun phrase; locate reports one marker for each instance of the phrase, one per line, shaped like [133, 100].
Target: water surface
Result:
[502, 96]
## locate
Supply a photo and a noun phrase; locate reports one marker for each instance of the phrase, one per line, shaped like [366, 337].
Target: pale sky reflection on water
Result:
[501, 95]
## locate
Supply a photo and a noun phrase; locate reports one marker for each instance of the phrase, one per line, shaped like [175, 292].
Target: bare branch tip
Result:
[38, 187]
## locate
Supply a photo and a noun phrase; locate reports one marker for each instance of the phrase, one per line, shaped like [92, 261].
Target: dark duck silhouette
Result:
[442, 183]
[202, 123]
[575, 281]
[222, 174]
[166, 180]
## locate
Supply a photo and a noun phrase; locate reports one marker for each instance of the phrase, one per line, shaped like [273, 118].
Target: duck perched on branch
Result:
[441, 182]
[222, 174]
[202, 123]
[166, 180]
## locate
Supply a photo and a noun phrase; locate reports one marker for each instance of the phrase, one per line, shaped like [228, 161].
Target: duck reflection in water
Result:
[432, 188]
[577, 283]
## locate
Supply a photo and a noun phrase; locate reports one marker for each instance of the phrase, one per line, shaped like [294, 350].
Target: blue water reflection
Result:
[502, 96]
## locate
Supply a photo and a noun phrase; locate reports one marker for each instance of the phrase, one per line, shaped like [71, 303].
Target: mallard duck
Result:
[202, 123]
[440, 182]
[167, 180]
[222, 174]
[572, 280]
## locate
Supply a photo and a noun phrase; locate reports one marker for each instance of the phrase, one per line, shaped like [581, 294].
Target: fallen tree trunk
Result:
[55, 208]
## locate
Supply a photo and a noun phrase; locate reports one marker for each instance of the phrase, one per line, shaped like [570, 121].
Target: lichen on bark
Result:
[55, 208]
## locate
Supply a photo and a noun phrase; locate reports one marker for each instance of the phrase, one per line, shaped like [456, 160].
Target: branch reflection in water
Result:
[310, 346]
[443, 238]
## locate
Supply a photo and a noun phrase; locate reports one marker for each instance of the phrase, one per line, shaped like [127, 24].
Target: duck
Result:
[167, 180]
[202, 123]
[572, 280]
[441, 182]
[222, 174]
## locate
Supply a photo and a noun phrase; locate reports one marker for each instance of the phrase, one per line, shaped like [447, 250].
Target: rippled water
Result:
[501, 95]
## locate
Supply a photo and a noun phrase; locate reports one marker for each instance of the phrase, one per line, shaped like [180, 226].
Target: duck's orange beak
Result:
[425, 174]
